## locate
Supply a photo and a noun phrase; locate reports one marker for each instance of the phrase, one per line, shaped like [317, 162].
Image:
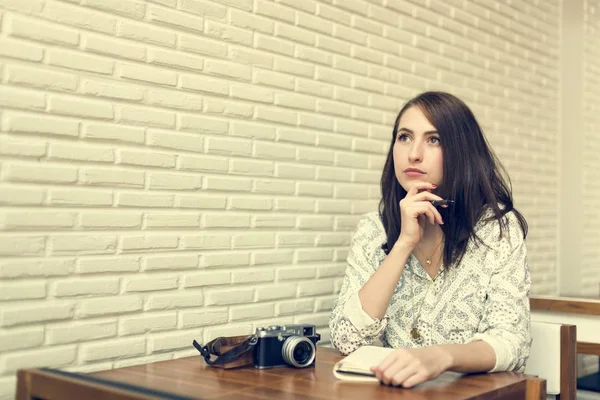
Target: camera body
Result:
[287, 345]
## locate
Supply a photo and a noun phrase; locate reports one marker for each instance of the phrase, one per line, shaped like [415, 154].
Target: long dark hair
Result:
[472, 176]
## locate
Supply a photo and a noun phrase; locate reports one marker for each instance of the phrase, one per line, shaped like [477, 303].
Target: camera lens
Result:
[298, 351]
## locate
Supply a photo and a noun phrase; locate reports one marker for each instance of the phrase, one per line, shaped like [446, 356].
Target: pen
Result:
[441, 202]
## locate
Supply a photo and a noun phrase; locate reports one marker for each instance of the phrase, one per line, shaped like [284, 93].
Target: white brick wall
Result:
[172, 170]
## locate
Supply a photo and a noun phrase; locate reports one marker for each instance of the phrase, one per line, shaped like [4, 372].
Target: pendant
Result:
[428, 262]
[414, 333]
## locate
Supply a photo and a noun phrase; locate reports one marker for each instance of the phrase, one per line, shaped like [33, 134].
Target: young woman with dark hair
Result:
[446, 283]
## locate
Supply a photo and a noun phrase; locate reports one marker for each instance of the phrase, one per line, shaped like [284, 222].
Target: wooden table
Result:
[189, 377]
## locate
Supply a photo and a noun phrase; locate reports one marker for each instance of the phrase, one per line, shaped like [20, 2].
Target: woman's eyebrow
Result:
[426, 132]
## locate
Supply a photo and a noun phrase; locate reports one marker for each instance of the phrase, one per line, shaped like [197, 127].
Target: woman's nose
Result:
[415, 153]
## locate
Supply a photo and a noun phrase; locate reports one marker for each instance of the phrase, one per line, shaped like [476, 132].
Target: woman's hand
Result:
[409, 367]
[415, 208]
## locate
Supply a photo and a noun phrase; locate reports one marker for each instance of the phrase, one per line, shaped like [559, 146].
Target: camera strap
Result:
[230, 352]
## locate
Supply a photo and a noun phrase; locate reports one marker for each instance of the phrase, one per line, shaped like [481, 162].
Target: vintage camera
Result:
[280, 346]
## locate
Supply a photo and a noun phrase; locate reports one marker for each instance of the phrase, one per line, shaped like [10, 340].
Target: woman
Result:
[446, 285]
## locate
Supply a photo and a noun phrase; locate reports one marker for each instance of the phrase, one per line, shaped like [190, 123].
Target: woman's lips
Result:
[413, 172]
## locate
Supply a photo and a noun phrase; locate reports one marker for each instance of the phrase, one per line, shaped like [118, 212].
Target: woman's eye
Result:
[403, 137]
[434, 140]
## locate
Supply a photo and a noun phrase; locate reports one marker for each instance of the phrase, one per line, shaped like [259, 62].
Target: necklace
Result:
[428, 260]
[414, 331]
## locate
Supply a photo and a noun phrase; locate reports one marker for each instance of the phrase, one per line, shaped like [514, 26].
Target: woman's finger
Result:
[392, 370]
[425, 196]
[403, 375]
[415, 379]
[438, 216]
[420, 186]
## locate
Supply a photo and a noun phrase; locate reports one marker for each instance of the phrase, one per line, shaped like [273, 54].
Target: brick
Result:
[205, 8]
[315, 155]
[228, 33]
[365, 54]
[103, 265]
[80, 197]
[10, 291]
[312, 255]
[295, 101]
[202, 124]
[254, 168]
[252, 312]
[295, 239]
[274, 11]
[258, 240]
[80, 108]
[133, 243]
[142, 158]
[203, 317]
[254, 58]
[175, 59]
[19, 98]
[315, 222]
[295, 34]
[314, 88]
[112, 90]
[19, 147]
[334, 141]
[334, 206]
[314, 56]
[20, 50]
[112, 349]
[170, 262]
[176, 19]
[86, 287]
[43, 79]
[273, 151]
[113, 47]
[292, 273]
[333, 239]
[271, 44]
[314, 23]
[150, 284]
[242, 4]
[40, 220]
[81, 153]
[225, 221]
[332, 76]
[174, 99]
[207, 85]
[201, 201]
[146, 33]
[36, 268]
[325, 303]
[247, 20]
[296, 136]
[366, 176]
[249, 275]
[175, 140]
[315, 287]
[42, 31]
[151, 322]
[227, 330]
[274, 186]
[112, 177]
[171, 341]
[250, 203]
[113, 220]
[277, 115]
[334, 174]
[172, 181]
[206, 241]
[294, 307]
[228, 296]
[266, 257]
[314, 189]
[225, 259]
[273, 221]
[275, 292]
[203, 163]
[334, 14]
[199, 45]
[208, 278]
[80, 17]
[55, 357]
[172, 221]
[144, 200]
[334, 271]
[21, 196]
[83, 244]
[283, 170]
[128, 8]
[20, 172]
[17, 315]
[147, 74]
[333, 45]
[30, 7]
[349, 34]
[73, 333]
[16, 339]
[294, 205]
[78, 61]
[146, 116]
[191, 298]
[108, 306]
[229, 70]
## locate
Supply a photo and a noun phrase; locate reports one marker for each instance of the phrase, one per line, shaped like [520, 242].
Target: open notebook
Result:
[357, 366]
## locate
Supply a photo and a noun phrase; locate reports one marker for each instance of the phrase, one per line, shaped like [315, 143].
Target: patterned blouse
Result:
[484, 297]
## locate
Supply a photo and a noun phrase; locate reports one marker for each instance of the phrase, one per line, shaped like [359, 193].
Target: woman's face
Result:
[417, 150]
